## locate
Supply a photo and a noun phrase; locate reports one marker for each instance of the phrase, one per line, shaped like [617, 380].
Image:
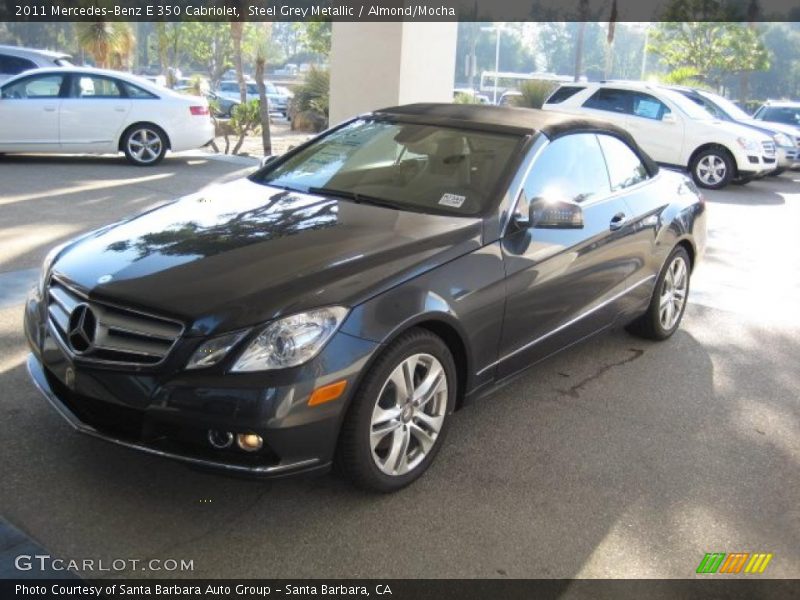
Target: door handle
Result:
[618, 221]
[50, 108]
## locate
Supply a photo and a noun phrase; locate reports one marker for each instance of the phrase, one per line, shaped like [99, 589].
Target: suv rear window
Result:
[564, 92]
[14, 65]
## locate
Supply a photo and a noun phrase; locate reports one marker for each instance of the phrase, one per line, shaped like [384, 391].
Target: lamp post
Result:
[498, 27]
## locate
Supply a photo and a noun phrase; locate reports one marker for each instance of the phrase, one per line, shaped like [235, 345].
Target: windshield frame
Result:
[727, 106]
[496, 196]
[687, 106]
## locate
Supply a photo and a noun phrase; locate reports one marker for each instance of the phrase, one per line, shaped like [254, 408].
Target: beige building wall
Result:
[374, 65]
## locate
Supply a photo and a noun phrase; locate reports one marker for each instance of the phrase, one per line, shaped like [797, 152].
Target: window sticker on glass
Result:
[452, 200]
[648, 108]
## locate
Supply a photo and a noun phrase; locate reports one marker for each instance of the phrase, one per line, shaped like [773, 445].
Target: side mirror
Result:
[668, 118]
[545, 213]
[265, 160]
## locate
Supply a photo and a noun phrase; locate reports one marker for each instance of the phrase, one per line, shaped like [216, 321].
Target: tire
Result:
[144, 145]
[652, 324]
[382, 445]
[713, 168]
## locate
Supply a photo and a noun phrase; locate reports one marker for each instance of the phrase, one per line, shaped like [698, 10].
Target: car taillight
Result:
[198, 111]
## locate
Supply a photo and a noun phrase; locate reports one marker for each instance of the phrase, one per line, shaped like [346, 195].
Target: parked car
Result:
[786, 113]
[509, 98]
[15, 60]
[278, 102]
[473, 96]
[342, 301]
[673, 130]
[786, 137]
[83, 110]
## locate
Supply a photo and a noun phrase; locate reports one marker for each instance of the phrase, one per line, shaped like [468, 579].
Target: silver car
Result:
[15, 60]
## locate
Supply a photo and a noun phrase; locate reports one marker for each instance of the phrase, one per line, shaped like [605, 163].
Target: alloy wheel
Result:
[711, 169]
[673, 293]
[145, 145]
[409, 414]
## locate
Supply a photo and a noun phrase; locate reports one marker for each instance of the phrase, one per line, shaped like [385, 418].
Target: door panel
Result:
[29, 114]
[93, 115]
[564, 284]
[656, 128]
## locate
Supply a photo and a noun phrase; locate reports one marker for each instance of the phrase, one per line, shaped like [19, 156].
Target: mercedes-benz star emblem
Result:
[82, 328]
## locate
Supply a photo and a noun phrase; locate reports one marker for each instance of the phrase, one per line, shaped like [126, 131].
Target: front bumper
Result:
[168, 412]
[788, 158]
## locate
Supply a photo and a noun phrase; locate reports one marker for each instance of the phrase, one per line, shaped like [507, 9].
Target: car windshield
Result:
[413, 167]
[727, 106]
[688, 107]
[783, 114]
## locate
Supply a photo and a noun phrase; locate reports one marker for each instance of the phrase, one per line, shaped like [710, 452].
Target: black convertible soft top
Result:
[505, 119]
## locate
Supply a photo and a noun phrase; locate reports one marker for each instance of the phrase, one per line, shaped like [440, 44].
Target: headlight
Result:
[47, 264]
[749, 145]
[292, 341]
[214, 350]
[781, 139]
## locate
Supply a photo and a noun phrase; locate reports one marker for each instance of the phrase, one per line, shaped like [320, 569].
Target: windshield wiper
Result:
[358, 198]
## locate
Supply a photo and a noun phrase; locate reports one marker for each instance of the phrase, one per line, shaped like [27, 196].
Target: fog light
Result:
[220, 439]
[249, 442]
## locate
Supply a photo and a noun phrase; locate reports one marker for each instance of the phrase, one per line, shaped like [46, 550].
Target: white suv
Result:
[15, 60]
[673, 130]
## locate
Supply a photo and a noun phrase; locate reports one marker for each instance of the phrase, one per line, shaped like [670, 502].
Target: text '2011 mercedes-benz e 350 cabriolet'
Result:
[338, 305]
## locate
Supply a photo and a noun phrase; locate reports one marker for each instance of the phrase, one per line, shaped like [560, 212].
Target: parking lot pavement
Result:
[617, 458]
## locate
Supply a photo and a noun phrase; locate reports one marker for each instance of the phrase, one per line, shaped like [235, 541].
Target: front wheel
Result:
[144, 145]
[399, 416]
[712, 168]
[668, 303]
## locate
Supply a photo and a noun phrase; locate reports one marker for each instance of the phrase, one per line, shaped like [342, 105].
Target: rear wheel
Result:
[399, 416]
[144, 145]
[713, 168]
[664, 314]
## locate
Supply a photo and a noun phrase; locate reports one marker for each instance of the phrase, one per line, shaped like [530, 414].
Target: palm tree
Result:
[100, 39]
[125, 46]
[266, 134]
[237, 28]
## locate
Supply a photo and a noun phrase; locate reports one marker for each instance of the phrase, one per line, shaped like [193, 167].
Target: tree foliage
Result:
[712, 49]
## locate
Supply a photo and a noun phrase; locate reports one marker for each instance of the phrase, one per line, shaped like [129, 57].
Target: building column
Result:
[375, 65]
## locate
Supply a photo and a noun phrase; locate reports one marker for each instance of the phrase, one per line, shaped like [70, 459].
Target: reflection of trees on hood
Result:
[233, 230]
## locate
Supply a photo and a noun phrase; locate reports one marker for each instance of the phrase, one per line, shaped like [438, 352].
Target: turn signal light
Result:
[327, 393]
[199, 111]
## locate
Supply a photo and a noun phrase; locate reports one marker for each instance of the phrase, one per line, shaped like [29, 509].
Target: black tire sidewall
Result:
[729, 166]
[654, 309]
[155, 129]
[357, 462]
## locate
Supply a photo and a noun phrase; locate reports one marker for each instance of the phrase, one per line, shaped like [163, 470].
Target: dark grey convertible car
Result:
[340, 303]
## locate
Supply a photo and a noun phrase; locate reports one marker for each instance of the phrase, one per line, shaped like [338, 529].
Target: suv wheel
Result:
[399, 416]
[712, 168]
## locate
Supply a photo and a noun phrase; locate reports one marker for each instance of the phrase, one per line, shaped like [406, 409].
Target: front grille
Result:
[111, 334]
[769, 148]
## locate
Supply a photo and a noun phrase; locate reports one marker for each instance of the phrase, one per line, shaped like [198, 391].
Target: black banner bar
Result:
[399, 10]
[708, 588]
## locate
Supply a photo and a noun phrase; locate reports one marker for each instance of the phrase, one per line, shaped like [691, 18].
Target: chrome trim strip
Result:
[567, 324]
[37, 376]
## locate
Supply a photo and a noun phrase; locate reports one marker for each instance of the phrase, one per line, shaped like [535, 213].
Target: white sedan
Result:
[83, 110]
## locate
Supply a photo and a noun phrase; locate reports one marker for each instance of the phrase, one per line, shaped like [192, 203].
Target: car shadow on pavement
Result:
[619, 457]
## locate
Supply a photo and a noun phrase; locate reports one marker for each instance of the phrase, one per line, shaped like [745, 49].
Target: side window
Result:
[134, 91]
[648, 107]
[563, 93]
[611, 100]
[44, 86]
[87, 86]
[624, 167]
[14, 65]
[570, 168]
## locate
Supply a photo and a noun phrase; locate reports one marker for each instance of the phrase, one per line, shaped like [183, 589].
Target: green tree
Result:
[712, 49]
[105, 40]
[209, 46]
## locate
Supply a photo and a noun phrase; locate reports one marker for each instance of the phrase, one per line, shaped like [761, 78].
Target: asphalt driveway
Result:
[618, 458]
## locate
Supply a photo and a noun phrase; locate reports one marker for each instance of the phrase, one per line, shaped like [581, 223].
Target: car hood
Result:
[740, 130]
[239, 254]
[775, 127]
